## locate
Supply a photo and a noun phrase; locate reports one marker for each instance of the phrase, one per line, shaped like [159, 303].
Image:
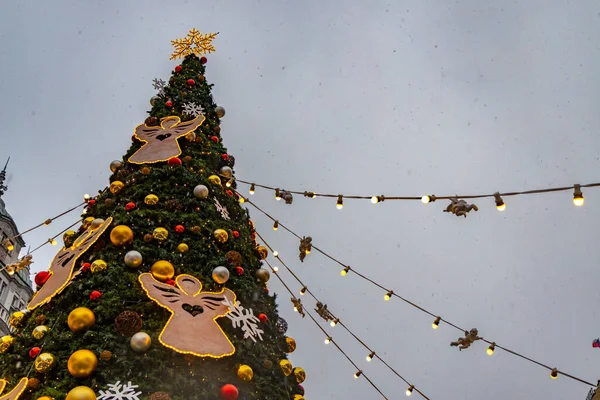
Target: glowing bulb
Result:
[252, 189]
[340, 202]
[307, 251]
[410, 390]
[500, 206]
[490, 350]
[436, 323]
[276, 268]
[344, 272]
[375, 199]
[85, 211]
[276, 225]
[242, 200]
[229, 182]
[86, 197]
[357, 374]
[277, 195]
[295, 309]
[425, 199]
[334, 322]
[10, 270]
[328, 340]
[313, 195]
[577, 197]
[370, 356]
[53, 242]
[9, 245]
[554, 373]
[303, 291]
[275, 253]
[388, 295]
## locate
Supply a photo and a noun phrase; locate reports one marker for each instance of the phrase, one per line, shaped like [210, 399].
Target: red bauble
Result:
[170, 282]
[95, 295]
[179, 229]
[236, 234]
[229, 392]
[225, 157]
[130, 206]
[91, 202]
[239, 271]
[229, 192]
[203, 60]
[263, 318]
[133, 138]
[178, 68]
[214, 139]
[85, 266]
[191, 82]
[174, 161]
[34, 352]
[41, 277]
[169, 103]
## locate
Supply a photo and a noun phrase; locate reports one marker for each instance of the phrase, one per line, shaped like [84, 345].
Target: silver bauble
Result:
[153, 100]
[220, 275]
[226, 171]
[115, 165]
[96, 223]
[140, 342]
[133, 259]
[220, 111]
[201, 192]
[262, 275]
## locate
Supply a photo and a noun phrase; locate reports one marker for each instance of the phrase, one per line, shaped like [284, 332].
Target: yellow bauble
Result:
[121, 235]
[45, 398]
[6, 342]
[291, 343]
[16, 319]
[245, 372]
[298, 397]
[214, 179]
[68, 238]
[44, 362]
[182, 247]
[286, 367]
[87, 222]
[160, 234]
[151, 199]
[81, 319]
[39, 332]
[82, 363]
[98, 266]
[220, 235]
[116, 187]
[262, 252]
[81, 393]
[299, 374]
[162, 270]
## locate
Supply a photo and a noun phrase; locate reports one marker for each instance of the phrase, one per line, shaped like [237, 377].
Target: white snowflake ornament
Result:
[222, 210]
[119, 391]
[244, 318]
[158, 84]
[193, 109]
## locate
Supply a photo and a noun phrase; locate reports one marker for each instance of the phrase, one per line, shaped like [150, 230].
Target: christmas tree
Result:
[161, 293]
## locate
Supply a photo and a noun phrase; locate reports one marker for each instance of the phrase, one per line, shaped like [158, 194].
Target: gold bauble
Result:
[151, 199]
[81, 319]
[286, 367]
[300, 374]
[98, 266]
[245, 373]
[298, 397]
[214, 179]
[145, 171]
[262, 252]
[162, 270]
[82, 363]
[87, 222]
[116, 186]
[220, 235]
[39, 332]
[16, 319]
[44, 362]
[182, 247]
[251, 223]
[6, 342]
[160, 234]
[121, 235]
[81, 393]
[68, 238]
[45, 398]
[291, 344]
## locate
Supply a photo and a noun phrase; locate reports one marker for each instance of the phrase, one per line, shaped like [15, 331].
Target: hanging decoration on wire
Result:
[305, 247]
[460, 208]
[596, 343]
[323, 312]
[465, 342]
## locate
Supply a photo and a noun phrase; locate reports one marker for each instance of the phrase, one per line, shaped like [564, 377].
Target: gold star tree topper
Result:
[194, 43]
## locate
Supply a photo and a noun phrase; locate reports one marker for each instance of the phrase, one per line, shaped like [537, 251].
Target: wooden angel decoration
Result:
[467, 341]
[16, 392]
[192, 327]
[460, 208]
[160, 142]
[63, 264]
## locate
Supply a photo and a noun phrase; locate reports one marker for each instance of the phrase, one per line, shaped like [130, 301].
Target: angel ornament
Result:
[160, 142]
[460, 208]
[192, 327]
[467, 341]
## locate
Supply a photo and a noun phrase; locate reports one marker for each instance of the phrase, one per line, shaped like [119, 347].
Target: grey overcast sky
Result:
[356, 97]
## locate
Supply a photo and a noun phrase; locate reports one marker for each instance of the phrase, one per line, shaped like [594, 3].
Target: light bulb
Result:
[436, 323]
[410, 390]
[229, 182]
[425, 199]
[490, 350]
[10, 270]
[275, 253]
[370, 356]
[340, 202]
[577, 196]
[307, 251]
[357, 374]
[276, 268]
[388, 295]
[328, 340]
[312, 195]
[334, 322]
[252, 188]
[242, 200]
[86, 197]
[276, 225]
[375, 199]
[277, 195]
[554, 373]
[344, 272]
[53, 242]
[9, 245]
[295, 309]
[85, 211]
[303, 291]
[500, 206]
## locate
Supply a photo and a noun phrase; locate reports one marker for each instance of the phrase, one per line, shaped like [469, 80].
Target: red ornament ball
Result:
[191, 82]
[169, 103]
[203, 60]
[235, 234]
[229, 192]
[133, 138]
[178, 68]
[263, 318]
[174, 161]
[229, 392]
[41, 277]
[170, 282]
[95, 295]
[130, 206]
[85, 266]
[214, 139]
[179, 229]
[91, 202]
[239, 271]
[225, 157]
[34, 352]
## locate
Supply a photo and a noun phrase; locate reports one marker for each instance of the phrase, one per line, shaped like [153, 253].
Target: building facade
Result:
[16, 289]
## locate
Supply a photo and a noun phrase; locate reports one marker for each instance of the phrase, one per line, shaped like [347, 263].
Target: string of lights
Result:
[578, 199]
[328, 337]
[334, 321]
[389, 294]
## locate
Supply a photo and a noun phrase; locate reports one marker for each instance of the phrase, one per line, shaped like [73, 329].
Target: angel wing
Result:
[16, 392]
[174, 125]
